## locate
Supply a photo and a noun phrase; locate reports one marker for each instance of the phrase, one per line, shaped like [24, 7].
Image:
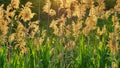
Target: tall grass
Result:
[78, 34]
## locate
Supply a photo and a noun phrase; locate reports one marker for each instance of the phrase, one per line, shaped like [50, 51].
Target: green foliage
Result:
[110, 4]
[82, 56]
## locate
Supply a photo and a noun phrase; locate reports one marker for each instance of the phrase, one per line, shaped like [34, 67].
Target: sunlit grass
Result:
[76, 34]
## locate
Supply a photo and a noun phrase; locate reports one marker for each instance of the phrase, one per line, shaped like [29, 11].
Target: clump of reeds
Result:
[16, 25]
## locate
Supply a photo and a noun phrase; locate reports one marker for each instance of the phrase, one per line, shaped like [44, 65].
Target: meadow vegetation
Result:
[68, 34]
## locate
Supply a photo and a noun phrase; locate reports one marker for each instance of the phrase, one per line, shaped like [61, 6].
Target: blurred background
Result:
[38, 4]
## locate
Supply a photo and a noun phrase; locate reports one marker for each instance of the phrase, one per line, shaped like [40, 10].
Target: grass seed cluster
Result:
[81, 34]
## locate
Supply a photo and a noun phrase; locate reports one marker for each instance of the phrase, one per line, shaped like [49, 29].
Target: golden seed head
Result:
[15, 3]
[47, 6]
[26, 14]
[70, 45]
[1, 11]
[11, 38]
[52, 12]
